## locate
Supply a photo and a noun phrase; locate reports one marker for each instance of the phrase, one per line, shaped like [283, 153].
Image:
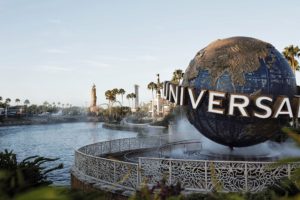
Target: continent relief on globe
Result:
[240, 65]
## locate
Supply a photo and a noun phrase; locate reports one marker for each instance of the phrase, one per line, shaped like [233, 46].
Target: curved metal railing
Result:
[89, 162]
[196, 175]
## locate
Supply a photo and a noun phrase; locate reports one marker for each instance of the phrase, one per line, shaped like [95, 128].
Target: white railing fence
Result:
[205, 175]
[196, 175]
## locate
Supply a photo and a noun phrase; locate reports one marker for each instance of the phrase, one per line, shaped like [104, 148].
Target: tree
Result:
[133, 96]
[122, 92]
[290, 53]
[177, 76]
[26, 102]
[111, 97]
[1, 99]
[7, 101]
[17, 101]
[152, 86]
[128, 96]
[19, 177]
[115, 92]
[45, 103]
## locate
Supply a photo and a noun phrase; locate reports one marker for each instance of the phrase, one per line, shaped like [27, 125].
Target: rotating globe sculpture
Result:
[238, 65]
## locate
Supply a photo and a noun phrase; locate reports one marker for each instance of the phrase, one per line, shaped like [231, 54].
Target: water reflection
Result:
[56, 140]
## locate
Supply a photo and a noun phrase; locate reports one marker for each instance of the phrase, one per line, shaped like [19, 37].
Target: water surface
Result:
[56, 141]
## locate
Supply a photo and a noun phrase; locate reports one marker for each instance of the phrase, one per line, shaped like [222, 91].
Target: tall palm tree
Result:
[177, 76]
[46, 104]
[133, 96]
[152, 86]
[7, 101]
[290, 53]
[26, 102]
[128, 96]
[115, 92]
[122, 92]
[111, 97]
[17, 101]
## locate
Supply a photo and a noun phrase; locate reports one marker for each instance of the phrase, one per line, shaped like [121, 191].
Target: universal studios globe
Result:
[238, 65]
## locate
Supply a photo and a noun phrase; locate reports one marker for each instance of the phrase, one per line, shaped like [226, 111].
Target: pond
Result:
[56, 141]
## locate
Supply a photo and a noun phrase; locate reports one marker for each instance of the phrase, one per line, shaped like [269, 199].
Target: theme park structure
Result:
[240, 65]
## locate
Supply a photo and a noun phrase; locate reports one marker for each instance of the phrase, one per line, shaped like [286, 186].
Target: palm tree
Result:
[111, 97]
[128, 96]
[177, 76]
[122, 92]
[133, 96]
[115, 92]
[290, 53]
[7, 101]
[17, 101]
[45, 103]
[26, 102]
[152, 86]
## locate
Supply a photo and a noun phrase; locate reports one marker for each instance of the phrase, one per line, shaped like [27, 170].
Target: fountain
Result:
[202, 163]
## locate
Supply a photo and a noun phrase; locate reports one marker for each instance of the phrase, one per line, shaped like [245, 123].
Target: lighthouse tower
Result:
[93, 106]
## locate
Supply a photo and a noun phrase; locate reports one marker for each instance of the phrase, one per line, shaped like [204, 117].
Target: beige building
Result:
[159, 107]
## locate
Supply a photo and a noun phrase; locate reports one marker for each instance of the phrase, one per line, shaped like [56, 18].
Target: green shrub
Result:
[18, 177]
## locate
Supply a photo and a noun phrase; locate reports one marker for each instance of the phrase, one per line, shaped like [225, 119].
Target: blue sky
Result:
[54, 50]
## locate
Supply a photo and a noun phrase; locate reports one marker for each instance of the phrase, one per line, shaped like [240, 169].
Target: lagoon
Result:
[56, 141]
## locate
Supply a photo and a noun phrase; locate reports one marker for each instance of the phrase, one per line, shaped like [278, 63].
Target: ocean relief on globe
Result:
[238, 65]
